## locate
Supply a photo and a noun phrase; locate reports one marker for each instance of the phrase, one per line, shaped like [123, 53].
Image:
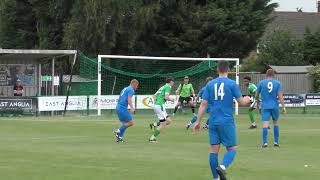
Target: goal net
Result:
[107, 75]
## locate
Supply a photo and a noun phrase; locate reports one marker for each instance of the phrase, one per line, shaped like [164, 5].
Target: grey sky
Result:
[291, 5]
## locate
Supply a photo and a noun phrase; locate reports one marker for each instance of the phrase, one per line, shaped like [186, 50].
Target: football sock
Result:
[193, 120]
[175, 109]
[213, 160]
[250, 113]
[265, 135]
[156, 123]
[122, 129]
[156, 133]
[228, 158]
[276, 134]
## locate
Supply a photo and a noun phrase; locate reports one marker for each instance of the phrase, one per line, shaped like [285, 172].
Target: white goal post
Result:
[119, 57]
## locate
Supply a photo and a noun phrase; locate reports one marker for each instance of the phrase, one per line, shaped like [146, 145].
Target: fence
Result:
[292, 83]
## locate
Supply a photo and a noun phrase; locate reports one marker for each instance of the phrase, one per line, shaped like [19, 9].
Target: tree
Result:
[282, 49]
[314, 74]
[312, 47]
[196, 28]
[18, 25]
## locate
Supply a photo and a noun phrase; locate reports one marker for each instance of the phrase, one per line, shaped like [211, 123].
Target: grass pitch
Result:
[82, 148]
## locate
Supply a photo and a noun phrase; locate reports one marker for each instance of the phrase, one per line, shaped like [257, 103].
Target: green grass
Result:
[82, 148]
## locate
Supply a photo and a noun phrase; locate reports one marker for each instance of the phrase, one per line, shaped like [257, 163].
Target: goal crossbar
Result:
[237, 60]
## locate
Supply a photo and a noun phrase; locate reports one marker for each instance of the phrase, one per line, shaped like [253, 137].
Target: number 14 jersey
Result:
[220, 93]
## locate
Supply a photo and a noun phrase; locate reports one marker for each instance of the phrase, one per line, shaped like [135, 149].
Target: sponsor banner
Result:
[147, 102]
[57, 103]
[313, 99]
[106, 102]
[15, 104]
[294, 100]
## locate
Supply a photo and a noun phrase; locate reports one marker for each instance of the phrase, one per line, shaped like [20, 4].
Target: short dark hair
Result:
[247, 78]
[270, 73]
[209, 79]
[223, 66]
[169, 79]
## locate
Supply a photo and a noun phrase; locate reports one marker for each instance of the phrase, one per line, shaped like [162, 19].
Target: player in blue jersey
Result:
[219, 93]
[271, 92]
[124, 115]
[194, 118]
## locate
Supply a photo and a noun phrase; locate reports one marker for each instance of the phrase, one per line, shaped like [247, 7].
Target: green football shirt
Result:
[186, 90]
[252, 88]
[161, 93]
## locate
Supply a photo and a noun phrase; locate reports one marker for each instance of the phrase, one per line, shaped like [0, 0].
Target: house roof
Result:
[290, 69]
[32, 54]
[295, 22]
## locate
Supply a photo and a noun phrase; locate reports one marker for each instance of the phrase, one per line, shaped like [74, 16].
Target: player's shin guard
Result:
[265, 135]
[276, 134]
[228, 158]
[213, 160]
[122, 130]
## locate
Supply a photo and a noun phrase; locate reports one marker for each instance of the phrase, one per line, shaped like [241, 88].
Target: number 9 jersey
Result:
[269, 89]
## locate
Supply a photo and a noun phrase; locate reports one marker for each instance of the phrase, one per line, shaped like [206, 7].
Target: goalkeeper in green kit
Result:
[251, 92]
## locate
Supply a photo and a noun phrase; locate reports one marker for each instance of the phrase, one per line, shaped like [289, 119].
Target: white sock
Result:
[223, 167]
[254, 124]
[152, 137]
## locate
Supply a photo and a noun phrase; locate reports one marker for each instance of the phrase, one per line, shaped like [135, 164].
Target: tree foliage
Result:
[314, 74]
[281, 49]
[221, 28]
[312, 46]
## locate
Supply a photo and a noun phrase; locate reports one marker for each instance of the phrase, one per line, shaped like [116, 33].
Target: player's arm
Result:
[168, 98]
[202, 110]
[167, 95]
[238, 96]
[130, 104]
[178, 90]
[192, 91]
[281, 99]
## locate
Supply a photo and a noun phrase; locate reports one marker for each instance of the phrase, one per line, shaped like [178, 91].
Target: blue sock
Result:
[265, 135]
[122, 130]
[213, 160]
[194, 119]
[276, 134]
[228, 158]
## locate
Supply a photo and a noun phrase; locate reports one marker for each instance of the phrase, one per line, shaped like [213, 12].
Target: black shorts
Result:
[185, 99]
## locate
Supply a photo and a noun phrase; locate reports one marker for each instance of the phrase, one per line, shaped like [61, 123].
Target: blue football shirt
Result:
[269, 89]
[200, 94]
[123, 98]
[220, 93]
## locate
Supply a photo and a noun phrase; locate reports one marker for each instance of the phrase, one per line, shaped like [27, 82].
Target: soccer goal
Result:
[114, 72]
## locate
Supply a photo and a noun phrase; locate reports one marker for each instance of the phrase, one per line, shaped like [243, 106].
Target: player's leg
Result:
[164, 120]
[214, 141]
[126, 120]
[206, 125]
[191, 104]
[275, 118]
[177, 106]
[192, 121]
[228, 139]
[265, 116]
[251, 116]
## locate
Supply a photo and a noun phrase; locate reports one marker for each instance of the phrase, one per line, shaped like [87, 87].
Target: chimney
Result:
[318, 5]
